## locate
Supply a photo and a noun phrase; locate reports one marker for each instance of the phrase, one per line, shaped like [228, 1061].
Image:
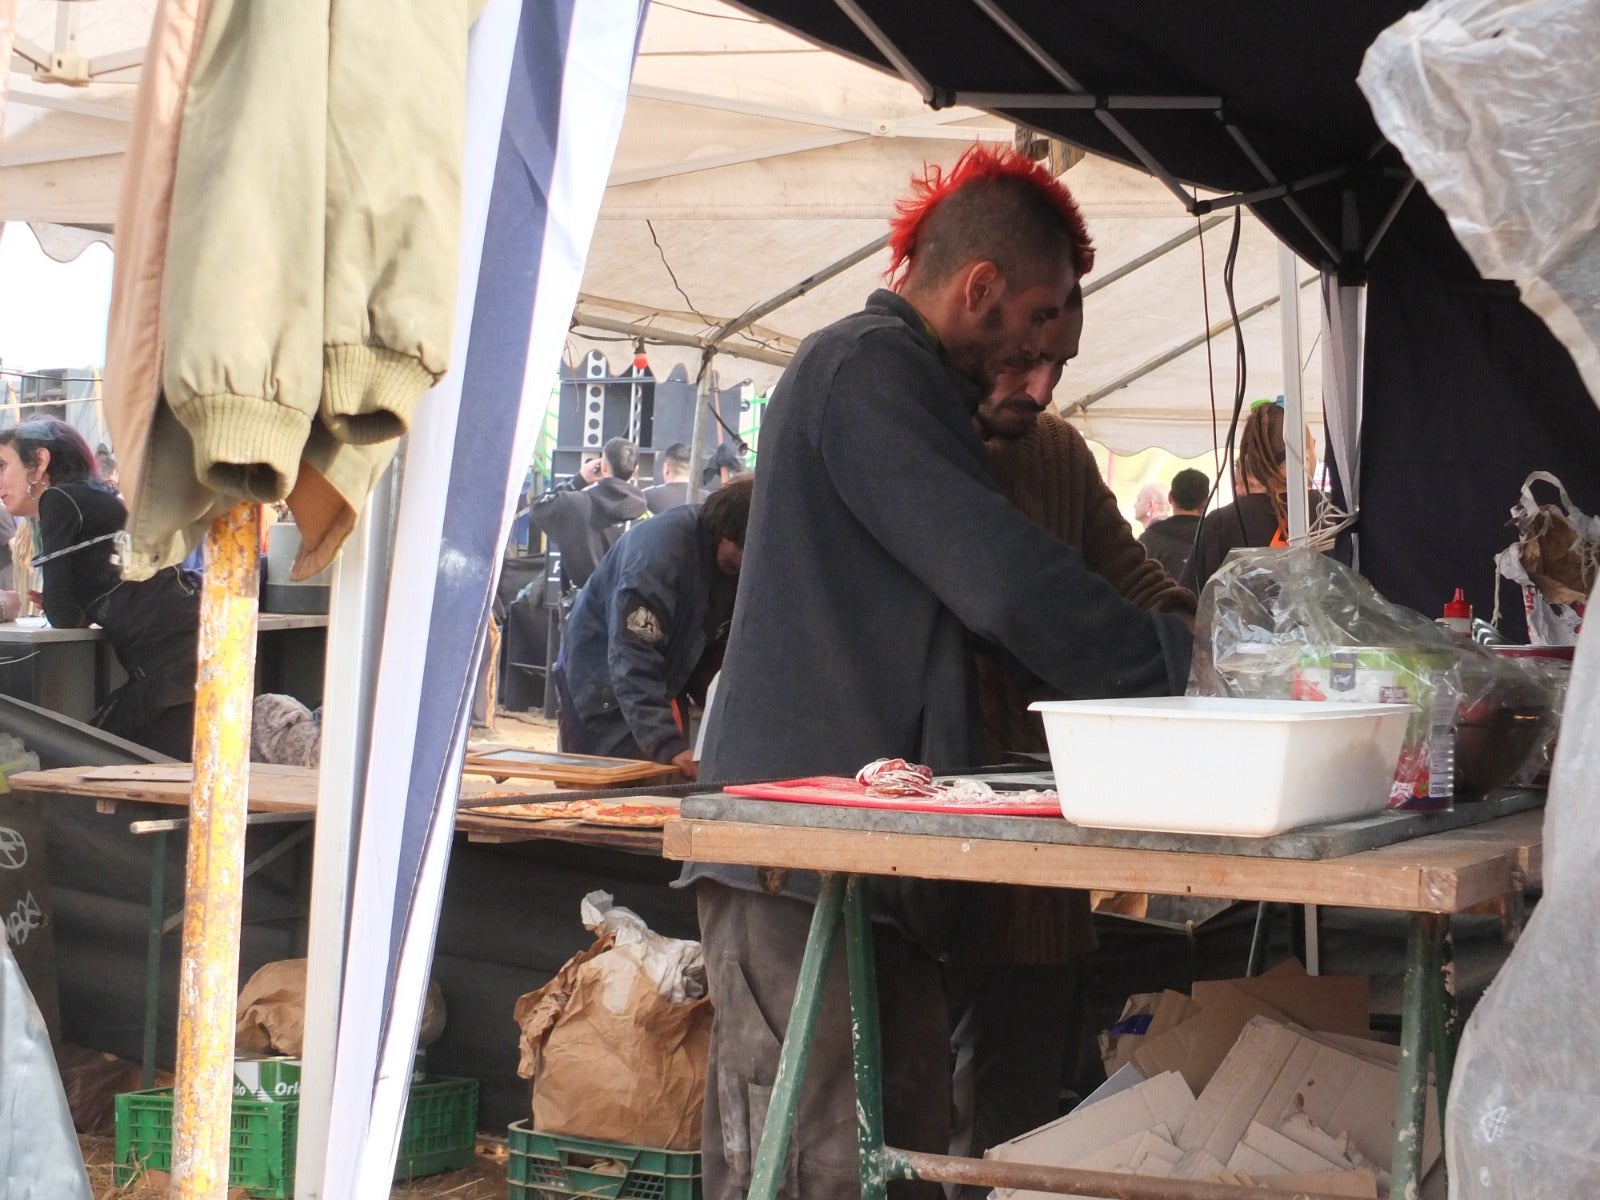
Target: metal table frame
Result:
[162, 921]
[1430, 1028]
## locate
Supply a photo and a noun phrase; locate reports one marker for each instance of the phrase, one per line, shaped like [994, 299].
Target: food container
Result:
[1217, 765]
[1425, 776]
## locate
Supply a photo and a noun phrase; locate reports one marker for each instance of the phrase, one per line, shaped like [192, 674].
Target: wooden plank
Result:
[1412, 877]
[508, 832]
[294, 790]
[580, 770]
[272, 788]
[1320, 841]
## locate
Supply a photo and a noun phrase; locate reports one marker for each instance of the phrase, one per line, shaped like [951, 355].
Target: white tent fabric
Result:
[754, 159]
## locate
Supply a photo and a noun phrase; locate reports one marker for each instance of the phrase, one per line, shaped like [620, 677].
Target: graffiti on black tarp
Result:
[23, 920]
[13, 850]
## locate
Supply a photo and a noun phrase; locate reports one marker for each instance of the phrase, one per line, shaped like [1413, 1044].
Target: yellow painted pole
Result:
[213, 887]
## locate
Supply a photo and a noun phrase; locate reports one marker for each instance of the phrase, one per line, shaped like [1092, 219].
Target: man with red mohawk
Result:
[879, 553]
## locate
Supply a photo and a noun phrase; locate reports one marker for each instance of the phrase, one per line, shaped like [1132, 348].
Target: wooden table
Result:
[293, 790]
[277, 795]
[1429, 878]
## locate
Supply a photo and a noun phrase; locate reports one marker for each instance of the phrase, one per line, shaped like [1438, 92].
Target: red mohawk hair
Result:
[980, 163]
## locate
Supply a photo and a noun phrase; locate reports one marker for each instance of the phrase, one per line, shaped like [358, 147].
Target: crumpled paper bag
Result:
[616, 1043]
[1554, 560]
[272, 1011]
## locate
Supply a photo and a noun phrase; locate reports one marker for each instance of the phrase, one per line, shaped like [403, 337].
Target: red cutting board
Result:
[847, 793]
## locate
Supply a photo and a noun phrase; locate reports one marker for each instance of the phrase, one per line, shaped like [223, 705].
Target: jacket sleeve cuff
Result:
[244, 446]
[674, 745]
[370, 393]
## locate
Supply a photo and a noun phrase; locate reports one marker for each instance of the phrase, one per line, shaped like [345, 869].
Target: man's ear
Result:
[982, 285]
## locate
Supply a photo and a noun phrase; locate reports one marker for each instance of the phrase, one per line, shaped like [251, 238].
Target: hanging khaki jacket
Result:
[308, 198]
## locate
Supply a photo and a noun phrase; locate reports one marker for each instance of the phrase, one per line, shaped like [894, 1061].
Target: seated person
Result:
[48, 472]
[648, 628]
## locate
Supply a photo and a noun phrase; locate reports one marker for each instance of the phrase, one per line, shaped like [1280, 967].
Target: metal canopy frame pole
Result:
[1293, 205]
[1150, 256]
[875, 34]
[753, 314]
[1060, 74]
[714, 341]
[1087, 100]
[1080, 97]
[697, 435]
[208, 982]
[1166, 356]
[582, 320]
[1294, 415]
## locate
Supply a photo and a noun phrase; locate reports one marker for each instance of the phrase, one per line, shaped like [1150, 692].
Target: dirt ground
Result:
[529, 730]
[484, 1180]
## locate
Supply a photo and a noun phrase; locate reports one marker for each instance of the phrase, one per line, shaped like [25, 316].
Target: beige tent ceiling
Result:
[749, 160]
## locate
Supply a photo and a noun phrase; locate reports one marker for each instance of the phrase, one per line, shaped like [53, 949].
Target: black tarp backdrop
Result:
[1473, 393]
[1465, 392]
[510, 920]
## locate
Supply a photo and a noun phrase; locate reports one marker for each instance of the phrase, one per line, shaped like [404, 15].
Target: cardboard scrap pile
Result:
[1268, 1082]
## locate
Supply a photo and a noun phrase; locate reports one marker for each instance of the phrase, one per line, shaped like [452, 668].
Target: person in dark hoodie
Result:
[867, 575]
[584, 516]
[1171, 540]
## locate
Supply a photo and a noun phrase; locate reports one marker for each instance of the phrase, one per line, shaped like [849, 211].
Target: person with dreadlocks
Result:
[867, 577]
[1259, 514]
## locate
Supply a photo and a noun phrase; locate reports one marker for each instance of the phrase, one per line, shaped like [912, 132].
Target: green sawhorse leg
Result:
[844, 896]
[1428, 1024]
[774, 1148]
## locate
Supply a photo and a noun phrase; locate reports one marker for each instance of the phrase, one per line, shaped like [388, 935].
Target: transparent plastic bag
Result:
[1493, 106]
[1524, 1116]
[1296, 625]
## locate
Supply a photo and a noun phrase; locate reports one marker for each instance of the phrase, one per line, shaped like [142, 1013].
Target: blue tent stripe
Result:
[491, 392]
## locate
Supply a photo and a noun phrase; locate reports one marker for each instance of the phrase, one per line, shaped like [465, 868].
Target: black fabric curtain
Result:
[1467, 392]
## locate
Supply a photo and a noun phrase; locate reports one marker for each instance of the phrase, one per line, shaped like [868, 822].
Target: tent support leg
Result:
[213, 886]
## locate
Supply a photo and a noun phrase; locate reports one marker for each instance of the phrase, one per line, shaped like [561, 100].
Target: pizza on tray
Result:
[633, 814]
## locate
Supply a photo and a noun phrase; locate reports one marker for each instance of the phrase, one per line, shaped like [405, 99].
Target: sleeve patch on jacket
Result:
[644, 625]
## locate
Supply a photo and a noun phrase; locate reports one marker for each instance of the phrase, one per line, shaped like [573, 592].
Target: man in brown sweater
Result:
[1013, 985]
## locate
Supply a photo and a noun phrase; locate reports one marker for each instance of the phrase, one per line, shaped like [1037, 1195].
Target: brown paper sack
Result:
[272, 1011]
[611, 1058]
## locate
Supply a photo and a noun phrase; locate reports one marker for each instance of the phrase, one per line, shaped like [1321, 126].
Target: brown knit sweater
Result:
[1052, 477]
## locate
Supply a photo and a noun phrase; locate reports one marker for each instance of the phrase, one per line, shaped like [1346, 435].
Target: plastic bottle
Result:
[1441, 741]
[1458, 615]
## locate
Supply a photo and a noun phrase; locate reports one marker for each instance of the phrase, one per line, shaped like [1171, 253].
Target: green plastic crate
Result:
[554, 1166]
[440, 1134]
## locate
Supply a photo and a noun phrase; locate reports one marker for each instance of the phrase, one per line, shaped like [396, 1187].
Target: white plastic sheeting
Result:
[1496, 107]
[1524, 1117]
[39, 1155]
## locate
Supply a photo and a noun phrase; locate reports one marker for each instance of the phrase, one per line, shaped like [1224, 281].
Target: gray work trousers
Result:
[753, 946]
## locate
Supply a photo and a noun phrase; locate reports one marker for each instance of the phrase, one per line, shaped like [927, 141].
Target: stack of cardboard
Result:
[1269, 1082]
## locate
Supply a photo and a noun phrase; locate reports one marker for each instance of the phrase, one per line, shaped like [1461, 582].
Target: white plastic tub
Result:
[1205, 764]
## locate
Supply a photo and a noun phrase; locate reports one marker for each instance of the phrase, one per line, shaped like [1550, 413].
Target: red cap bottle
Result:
[1458, 614]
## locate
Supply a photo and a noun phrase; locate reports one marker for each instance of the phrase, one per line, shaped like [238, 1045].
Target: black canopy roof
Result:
[1465, 390]
[1256, 99]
